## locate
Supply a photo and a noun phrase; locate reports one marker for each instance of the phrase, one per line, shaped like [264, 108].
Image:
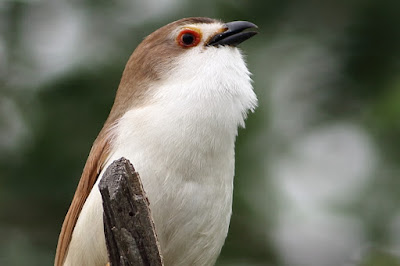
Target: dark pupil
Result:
[187, 38]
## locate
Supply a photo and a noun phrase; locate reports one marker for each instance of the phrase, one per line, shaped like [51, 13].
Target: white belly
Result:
[191, 219]
[189, 183]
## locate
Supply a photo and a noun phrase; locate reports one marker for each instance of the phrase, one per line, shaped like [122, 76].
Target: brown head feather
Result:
[153, 57]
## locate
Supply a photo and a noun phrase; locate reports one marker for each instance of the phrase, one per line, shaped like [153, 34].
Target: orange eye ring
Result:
[188, 38]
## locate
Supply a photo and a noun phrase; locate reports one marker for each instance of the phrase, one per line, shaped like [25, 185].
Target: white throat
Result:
[194, 113]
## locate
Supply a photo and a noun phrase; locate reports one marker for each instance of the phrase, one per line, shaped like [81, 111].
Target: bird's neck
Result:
[191, 117]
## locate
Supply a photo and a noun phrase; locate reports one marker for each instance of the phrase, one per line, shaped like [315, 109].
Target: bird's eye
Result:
[188, 38]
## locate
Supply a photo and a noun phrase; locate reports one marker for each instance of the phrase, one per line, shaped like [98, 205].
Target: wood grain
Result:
[129, 229]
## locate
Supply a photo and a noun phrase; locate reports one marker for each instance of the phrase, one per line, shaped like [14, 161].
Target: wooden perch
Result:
[129, 229]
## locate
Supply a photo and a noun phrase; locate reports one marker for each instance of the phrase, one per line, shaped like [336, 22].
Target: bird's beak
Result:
[234, 34]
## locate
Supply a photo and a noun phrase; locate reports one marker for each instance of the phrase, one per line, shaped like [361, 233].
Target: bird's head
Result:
[194, 51]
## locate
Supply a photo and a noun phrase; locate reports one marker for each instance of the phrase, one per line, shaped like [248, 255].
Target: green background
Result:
[317, 172]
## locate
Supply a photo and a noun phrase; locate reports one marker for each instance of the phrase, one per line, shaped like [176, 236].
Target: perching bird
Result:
[183, 94]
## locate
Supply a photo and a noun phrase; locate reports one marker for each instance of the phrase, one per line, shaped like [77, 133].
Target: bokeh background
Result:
[317, 180]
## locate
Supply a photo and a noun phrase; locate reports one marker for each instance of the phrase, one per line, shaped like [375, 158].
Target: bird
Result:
[184, 93]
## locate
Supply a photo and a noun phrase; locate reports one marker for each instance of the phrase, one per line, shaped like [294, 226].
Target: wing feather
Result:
[94, 164]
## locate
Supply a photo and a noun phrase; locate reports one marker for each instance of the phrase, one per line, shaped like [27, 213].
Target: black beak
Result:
[234, 34]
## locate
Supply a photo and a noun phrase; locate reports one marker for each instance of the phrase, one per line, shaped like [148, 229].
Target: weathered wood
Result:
[129, 229]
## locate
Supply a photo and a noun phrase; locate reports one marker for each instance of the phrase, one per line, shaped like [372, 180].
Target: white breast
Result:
[182, 145]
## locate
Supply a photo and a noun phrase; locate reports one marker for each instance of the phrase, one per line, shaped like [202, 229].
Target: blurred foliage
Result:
[64, 112]
[379, 257]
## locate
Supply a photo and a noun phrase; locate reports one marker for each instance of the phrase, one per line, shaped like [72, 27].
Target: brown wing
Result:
[91, 171]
